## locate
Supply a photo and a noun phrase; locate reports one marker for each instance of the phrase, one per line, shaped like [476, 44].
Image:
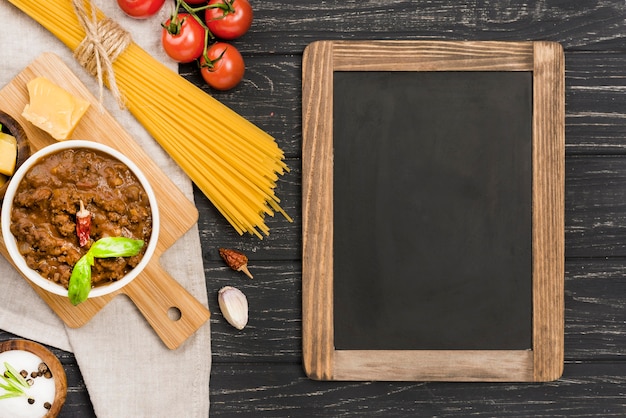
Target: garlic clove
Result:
[234, 306]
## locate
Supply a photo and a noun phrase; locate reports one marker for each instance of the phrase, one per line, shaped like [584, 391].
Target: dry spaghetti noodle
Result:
[233, 162]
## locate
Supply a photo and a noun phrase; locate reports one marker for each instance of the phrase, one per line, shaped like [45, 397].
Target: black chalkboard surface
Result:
[433, 210]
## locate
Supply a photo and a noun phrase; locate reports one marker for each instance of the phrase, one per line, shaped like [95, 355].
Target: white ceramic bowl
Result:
[11, 243]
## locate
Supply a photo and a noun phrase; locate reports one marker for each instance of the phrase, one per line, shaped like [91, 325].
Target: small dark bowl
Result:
[12, 127]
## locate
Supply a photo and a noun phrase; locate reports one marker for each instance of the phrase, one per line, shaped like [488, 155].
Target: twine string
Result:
[104, 41]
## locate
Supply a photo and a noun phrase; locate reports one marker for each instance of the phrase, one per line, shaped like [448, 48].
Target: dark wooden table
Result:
[258, 371]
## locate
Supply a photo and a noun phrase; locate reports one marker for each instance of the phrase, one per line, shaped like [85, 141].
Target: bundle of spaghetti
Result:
[232, 161]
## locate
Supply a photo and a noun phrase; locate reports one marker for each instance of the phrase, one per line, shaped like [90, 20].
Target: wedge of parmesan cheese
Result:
[8, 155]
[53, 109]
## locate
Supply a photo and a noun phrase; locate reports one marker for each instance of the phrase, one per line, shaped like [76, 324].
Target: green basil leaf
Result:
[80, 280]
[116, 247]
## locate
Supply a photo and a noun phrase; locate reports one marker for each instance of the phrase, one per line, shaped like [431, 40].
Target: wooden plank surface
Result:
[259, 372]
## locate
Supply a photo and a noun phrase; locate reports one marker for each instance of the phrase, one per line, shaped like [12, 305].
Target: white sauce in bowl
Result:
[41, 391]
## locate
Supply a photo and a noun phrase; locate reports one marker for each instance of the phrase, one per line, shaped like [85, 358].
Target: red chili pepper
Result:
[236, 260]
[83, 225]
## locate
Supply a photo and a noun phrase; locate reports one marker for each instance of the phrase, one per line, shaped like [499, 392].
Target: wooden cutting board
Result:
[171, 311]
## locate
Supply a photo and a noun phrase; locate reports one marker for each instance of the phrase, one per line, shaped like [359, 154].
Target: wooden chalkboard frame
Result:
[544, 361]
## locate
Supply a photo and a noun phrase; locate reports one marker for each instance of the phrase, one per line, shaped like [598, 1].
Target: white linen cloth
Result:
[128, 371]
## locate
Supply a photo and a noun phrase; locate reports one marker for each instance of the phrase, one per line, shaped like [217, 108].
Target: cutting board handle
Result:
[167, 306]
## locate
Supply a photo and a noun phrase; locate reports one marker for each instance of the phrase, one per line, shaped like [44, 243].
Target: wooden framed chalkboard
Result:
[433, 210]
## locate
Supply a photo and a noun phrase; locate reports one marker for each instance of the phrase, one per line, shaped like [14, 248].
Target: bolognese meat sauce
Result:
[43, 218]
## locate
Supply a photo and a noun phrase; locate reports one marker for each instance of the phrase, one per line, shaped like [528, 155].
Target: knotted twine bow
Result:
[104, 41]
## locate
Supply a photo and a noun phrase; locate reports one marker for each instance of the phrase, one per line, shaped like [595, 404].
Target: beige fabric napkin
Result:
[128, 371]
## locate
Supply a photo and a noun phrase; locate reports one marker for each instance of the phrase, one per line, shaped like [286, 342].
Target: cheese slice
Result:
[8, 138]
[53, 109]
[8, 156]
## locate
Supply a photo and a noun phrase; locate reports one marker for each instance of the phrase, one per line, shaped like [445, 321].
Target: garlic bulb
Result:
[234, 306]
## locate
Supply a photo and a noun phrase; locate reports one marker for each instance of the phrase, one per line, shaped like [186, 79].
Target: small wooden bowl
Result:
[12, 127]
[54, 365]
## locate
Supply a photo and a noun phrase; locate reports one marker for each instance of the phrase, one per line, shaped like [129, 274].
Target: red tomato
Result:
[183, 40]
[230, 21]
[140, 9]
[226, 66]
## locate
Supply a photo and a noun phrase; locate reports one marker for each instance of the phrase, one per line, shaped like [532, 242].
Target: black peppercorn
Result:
[43, 367]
